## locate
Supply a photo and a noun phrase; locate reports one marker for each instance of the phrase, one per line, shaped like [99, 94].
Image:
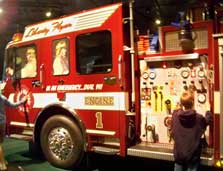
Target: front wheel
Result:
[62, 142]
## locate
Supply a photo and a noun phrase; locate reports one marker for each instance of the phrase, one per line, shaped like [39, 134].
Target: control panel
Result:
[162, 82]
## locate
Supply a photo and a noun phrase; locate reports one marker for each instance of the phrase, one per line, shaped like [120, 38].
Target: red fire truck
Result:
[94, 85]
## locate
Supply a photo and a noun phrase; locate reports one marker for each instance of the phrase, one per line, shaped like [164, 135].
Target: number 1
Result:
[99, 123]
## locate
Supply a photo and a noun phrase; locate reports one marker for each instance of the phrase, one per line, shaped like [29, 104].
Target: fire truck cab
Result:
[94, 85]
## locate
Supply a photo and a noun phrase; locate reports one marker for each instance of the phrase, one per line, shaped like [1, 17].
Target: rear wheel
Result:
[62, 142]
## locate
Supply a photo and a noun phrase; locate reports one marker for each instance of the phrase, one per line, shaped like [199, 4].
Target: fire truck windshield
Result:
[21, 62]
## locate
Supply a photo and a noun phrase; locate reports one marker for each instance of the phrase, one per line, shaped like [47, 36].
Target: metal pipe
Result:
[132, 51]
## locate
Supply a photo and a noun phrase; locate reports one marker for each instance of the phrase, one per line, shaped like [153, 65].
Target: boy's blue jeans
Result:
[189, 167]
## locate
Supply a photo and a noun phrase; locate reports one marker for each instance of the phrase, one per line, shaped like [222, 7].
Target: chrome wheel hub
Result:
[60, 143]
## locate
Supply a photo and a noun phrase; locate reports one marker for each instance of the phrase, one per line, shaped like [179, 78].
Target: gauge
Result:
[185, 73]
[145, 75]
[152, 75]
[167, 121]
[202, 98]
[201, 73]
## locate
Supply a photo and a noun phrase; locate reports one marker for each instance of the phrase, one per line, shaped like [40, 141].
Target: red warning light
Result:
[164, 65]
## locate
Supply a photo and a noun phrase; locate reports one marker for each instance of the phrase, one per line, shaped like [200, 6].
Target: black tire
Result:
[62, 142]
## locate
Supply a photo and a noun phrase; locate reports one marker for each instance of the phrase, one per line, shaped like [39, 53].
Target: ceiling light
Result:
[158, 21]
[48, 14]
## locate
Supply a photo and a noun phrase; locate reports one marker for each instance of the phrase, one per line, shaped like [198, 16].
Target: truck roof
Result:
[79, 21]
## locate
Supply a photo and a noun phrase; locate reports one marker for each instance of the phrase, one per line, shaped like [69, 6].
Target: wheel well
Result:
[51, 111]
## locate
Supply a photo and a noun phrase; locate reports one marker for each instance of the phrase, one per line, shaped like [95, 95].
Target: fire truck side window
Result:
[93, 53]
[61, 57]
[21, 62]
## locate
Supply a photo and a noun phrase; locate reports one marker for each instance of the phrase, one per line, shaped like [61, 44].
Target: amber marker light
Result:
[17, 37]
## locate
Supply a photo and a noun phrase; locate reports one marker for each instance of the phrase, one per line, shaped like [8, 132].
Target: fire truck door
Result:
[22, 67]
[98, 74]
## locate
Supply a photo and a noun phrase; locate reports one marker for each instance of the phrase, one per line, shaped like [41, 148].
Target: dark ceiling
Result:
[19, 13]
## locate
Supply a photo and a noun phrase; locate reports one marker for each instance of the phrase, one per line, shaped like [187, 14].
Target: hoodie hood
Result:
[188, 118]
